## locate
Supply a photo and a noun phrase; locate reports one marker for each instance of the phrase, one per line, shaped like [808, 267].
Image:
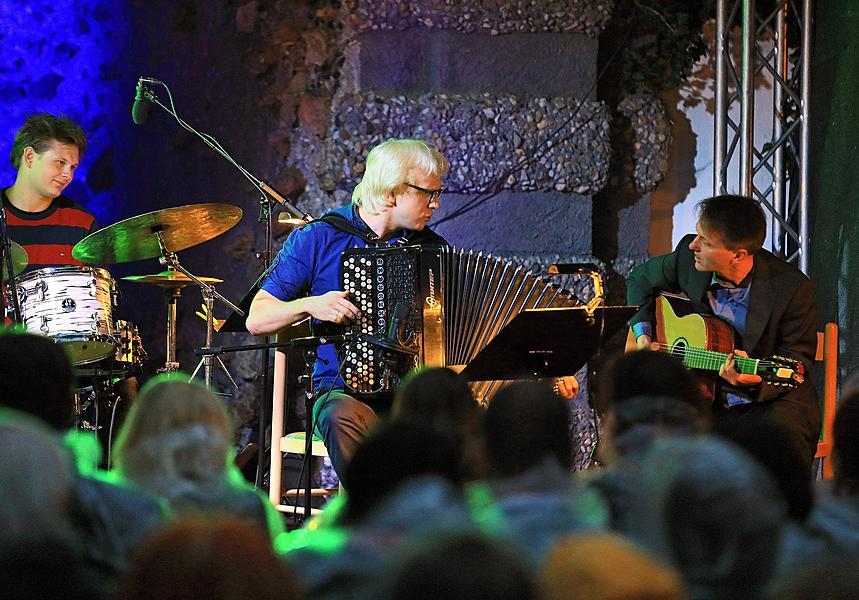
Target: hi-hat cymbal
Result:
[169, 279]
[136, 238]
[19, 260]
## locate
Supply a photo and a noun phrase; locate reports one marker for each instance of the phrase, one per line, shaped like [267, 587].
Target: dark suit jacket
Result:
[781, 318]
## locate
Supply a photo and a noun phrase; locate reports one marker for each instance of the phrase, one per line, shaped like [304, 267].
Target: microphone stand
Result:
[6, 255]
[267, 194]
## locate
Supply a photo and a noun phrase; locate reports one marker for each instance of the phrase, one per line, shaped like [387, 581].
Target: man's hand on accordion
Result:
[333, 307]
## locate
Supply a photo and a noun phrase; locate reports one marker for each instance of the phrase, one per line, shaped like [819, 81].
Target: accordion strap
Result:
[342, 223]
[338, 221]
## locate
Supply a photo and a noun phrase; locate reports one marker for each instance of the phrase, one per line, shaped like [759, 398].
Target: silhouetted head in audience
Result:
[465, 566]
[36, 378]
[845, 434]
[830, 577]
[714, 512]
[36, 535]
[606, 566]
[526, 423]
[218, 559]
[35, 477]
[646, 394]
[440, 398]
[391, 454]
[435, 396]
[770, 444]
[177, 434]
[46, 567]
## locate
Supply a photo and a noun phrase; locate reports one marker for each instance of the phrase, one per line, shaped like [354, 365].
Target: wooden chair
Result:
[827, 353]
[292, 443]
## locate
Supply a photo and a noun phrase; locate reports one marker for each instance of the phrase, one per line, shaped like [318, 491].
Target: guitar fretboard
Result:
[710, 360]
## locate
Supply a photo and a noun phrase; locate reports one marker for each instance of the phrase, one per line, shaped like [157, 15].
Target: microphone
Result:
[572, 268]
[399, 321]
[140, 108]
[396, 330]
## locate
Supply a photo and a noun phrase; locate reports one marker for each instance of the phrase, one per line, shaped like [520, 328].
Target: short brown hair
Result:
[737, 220]
[40, 129]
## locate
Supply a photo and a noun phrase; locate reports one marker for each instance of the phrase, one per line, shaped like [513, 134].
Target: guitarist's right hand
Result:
[729, 373]
[643, 342]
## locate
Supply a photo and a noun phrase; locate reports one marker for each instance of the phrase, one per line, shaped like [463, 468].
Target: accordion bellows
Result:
[452, 303]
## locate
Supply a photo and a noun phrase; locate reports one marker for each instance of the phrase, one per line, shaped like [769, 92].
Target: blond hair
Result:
[388, 166]
[577, 568]
[177, 435]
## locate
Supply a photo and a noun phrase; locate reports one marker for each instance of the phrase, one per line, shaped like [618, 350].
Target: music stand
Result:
[547, 342]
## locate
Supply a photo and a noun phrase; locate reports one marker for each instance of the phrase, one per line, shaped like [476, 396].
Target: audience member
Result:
[403, 483]
[108, 520]
[176, 442]
[643, 396]
[714, 513]
[770, 444]
[530, 497]
[37, 538]
[605, 566]
[31, 502]
[215, 559]
[675, 400]
[36, 378]
[463, 566]
[833, 577]
[441, 398]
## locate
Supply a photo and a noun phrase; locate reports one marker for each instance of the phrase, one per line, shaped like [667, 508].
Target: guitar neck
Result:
[710, 360]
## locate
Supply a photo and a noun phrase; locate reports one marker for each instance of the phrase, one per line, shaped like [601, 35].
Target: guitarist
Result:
[769, 303]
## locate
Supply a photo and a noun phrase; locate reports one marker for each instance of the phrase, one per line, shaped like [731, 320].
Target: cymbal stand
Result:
[209, 294]
[6, 256]
[171, 296]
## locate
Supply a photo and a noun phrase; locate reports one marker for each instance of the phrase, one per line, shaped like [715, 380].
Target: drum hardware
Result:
[19, 260]
[172, 282]
[129, 347]
[160, 234]
[13, 260]
[169, 259]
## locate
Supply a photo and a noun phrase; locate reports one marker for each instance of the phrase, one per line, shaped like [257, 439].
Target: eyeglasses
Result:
[434, 195]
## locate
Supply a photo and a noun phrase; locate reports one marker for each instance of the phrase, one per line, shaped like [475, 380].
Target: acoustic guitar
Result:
[704, 342]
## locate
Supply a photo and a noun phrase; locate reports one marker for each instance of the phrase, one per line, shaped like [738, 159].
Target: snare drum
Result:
[73, 305]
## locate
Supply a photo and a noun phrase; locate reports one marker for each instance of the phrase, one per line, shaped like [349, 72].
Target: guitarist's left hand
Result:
[729, 373]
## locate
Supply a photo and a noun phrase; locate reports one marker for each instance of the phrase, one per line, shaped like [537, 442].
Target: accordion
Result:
[441, 303]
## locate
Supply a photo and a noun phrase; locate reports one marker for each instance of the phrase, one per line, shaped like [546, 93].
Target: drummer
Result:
[46, 151]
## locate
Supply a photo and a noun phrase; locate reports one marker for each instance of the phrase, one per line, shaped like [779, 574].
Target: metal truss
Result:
[773, 171]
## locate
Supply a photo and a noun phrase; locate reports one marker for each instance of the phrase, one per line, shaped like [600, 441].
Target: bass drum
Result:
[72, 305]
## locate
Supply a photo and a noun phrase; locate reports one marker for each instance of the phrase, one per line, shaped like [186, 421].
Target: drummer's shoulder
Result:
[74, 212]
[66, 202]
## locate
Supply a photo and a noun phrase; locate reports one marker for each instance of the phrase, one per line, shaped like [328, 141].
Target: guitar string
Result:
[711, 357]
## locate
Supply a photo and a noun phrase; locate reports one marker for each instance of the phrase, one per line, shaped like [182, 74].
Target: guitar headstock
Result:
[781, 370]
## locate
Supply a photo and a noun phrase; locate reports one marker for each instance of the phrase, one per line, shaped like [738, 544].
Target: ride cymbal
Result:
[136, 238]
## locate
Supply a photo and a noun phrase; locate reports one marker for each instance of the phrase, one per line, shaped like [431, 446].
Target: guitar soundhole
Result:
[678, 349]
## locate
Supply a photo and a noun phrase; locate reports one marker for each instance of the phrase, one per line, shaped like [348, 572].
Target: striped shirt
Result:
[49, 235]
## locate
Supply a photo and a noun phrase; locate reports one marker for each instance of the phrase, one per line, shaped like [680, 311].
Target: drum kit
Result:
[75, 305]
